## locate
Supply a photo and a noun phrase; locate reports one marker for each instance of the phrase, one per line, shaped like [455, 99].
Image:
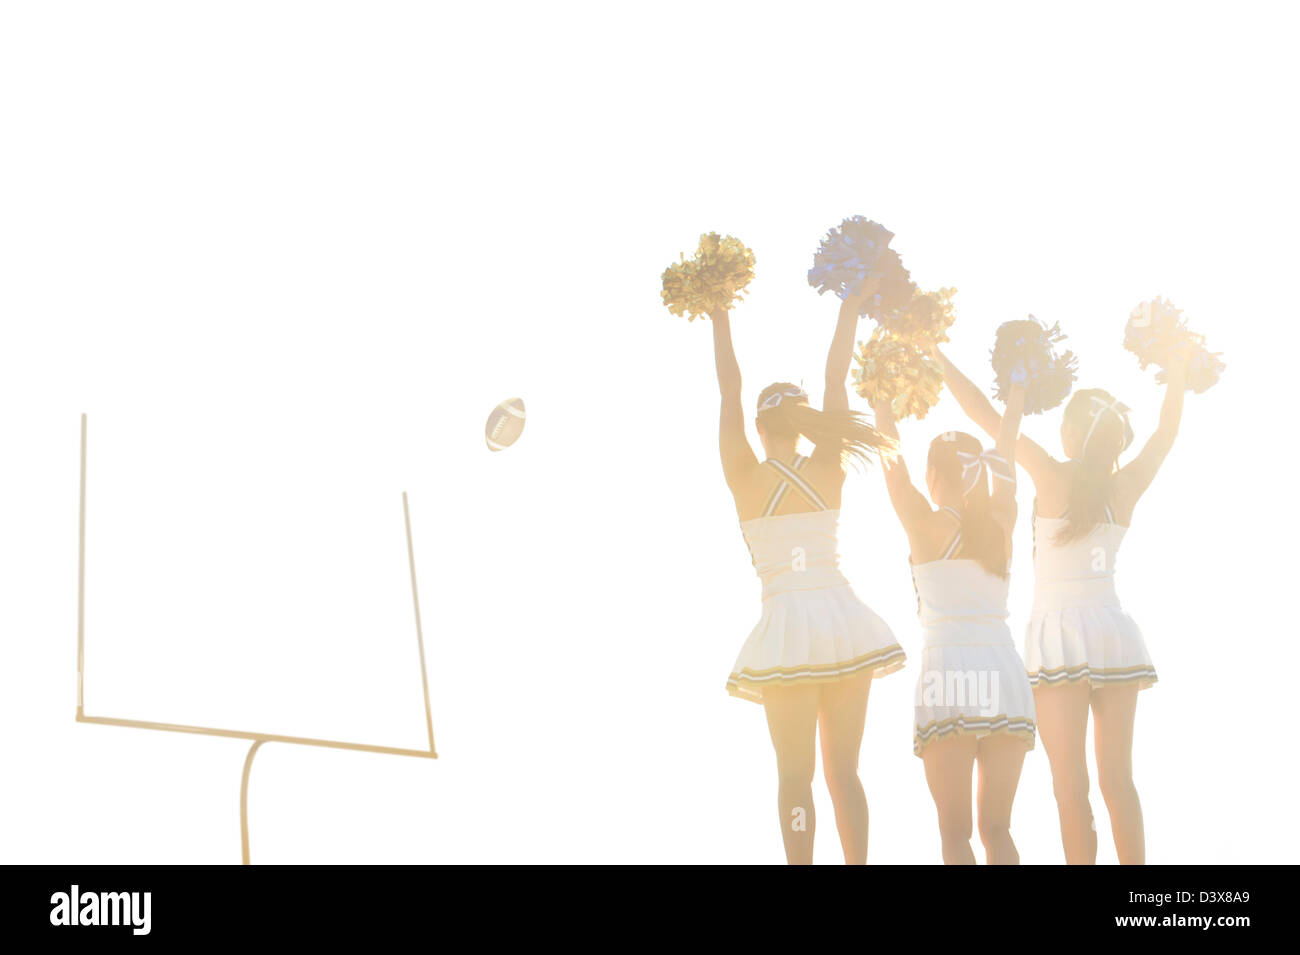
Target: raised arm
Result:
[737, 456]
[1009, 425]
[910, 505]
[840, 355]
[973, 401]
[1040, 465]
[1136, 476]
[1004, 484]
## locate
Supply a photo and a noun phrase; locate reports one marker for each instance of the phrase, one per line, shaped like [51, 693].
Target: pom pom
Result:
[895, 292]
[713, 279]
[1203, 370]
[926, 317]
[897, 372]
[1155, 331]
[847, 255]
[1158, 335]
[1025, 352]
[852, 251]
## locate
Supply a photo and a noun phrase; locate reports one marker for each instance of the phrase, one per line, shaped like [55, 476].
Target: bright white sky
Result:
[288, 256]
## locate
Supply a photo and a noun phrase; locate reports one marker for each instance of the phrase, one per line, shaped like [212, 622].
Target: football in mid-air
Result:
[505, 424]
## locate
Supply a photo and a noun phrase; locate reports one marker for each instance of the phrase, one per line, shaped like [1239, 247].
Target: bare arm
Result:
[737, 456]
[1137, 475]
[840, 355]
[1004, 486]
[1009, 425]
[838, 359]
[1040, 465]
[973, 401]
[910, 505]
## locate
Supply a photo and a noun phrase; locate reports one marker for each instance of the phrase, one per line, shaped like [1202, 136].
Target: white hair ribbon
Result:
[974, 465]
[774, 399]
[1101, 407]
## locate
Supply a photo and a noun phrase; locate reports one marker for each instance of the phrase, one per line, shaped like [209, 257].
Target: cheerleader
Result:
[811, 657]
[973, 702]
[1082, 651]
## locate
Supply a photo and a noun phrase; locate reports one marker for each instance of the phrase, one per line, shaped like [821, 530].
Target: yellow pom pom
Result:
[926, 318]
[893, 371]
[713, 279]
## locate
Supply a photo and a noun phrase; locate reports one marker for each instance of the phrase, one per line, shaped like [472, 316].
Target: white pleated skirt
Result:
[1099, 643]
[813, 636]
[971, 689]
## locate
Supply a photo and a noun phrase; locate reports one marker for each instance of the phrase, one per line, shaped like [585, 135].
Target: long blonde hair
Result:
[983, 539]
[792, 416]
[1106, 433]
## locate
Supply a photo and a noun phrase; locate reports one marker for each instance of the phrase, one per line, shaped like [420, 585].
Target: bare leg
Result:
[948, 764]
[842, 713]
[1063, 728]
[792, 721]
[1000, 757]
[1113, 711]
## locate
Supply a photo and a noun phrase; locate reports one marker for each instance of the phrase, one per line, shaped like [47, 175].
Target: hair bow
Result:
[1100, 407]
[973, 467]
[774, 399]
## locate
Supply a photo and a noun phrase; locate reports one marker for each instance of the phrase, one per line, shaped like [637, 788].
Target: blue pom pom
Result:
[847, 256]
[1025, 353]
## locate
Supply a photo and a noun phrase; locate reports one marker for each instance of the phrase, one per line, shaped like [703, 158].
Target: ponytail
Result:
[984, 539]
[1106, 431]
[790, 415]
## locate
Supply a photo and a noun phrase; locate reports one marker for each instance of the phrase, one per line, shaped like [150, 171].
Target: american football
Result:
[505, 424]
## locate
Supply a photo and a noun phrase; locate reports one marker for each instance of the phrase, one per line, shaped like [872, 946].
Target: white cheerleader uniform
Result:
[1077, 630]
[972, 680]
[813, 628]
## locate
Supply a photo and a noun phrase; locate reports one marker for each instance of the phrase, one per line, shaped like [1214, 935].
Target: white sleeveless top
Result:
[959, 603]
[794, 551]
[1080, 573]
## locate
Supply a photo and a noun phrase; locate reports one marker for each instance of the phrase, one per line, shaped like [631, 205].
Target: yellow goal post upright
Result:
[257, 738]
